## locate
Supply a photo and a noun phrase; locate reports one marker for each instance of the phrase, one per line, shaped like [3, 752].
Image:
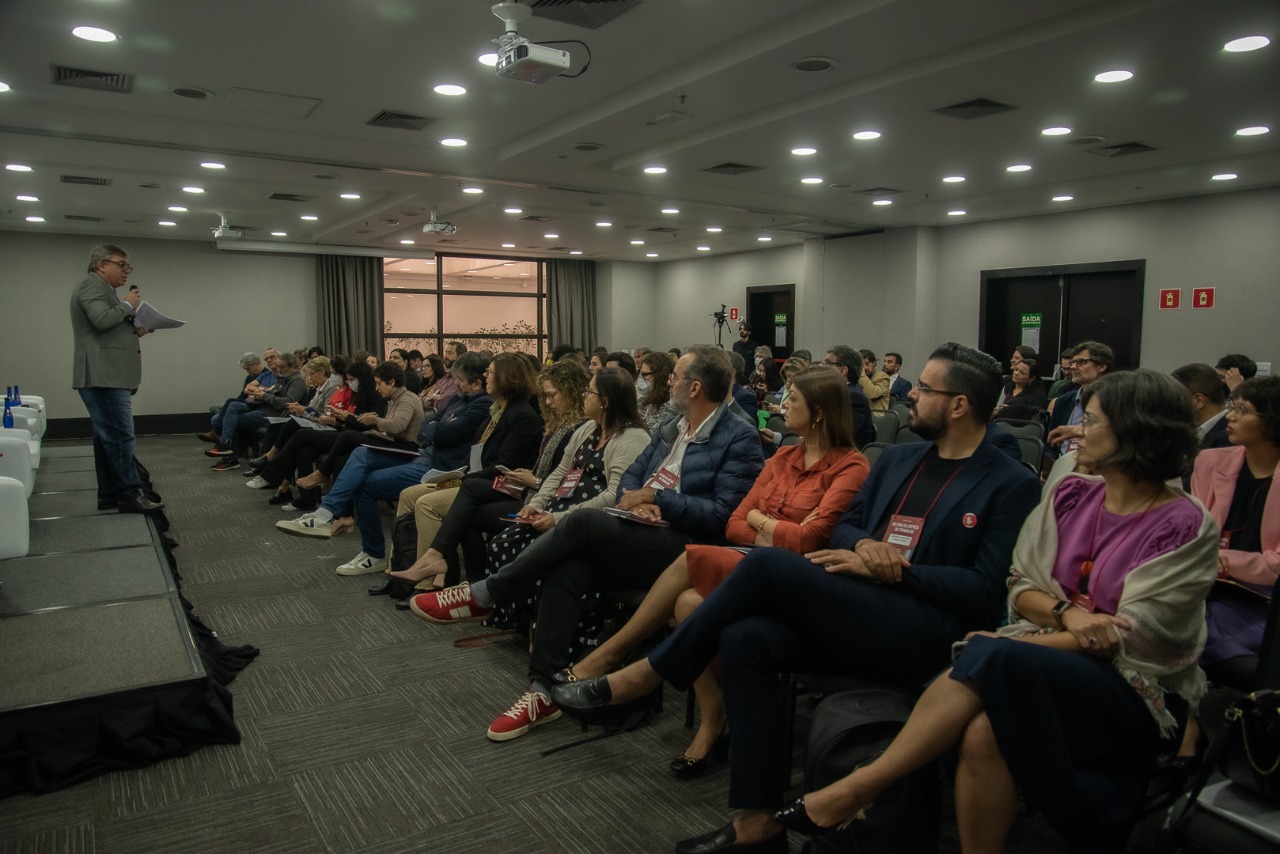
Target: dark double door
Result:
[1078, 302]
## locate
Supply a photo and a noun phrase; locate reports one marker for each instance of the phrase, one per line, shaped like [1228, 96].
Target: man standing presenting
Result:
[106, 370]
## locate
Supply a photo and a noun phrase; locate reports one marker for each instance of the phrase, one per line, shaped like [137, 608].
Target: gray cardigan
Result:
[106, 352]
[619, 453]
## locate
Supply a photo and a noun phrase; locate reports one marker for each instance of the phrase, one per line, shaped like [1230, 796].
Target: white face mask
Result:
[354, 385]
[642, 385]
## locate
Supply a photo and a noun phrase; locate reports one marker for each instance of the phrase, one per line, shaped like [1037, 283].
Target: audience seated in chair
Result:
[248, 415]
[251, 364]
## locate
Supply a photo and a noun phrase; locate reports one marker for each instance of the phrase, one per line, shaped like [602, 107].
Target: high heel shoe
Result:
[795, 817]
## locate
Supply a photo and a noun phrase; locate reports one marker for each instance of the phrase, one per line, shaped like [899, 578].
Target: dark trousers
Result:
[299, 450]
[343, 446]
[779, 613]
[111, 416]
[479, 508]
[588, 550]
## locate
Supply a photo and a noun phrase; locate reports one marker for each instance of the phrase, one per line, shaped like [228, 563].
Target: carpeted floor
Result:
[364, 727]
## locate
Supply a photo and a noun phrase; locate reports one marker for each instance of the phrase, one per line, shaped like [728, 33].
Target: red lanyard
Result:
[938, 495]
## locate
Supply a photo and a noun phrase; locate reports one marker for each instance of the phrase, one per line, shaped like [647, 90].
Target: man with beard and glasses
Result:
[921, 557]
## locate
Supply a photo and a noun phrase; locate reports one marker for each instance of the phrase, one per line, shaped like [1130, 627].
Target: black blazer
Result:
[1217, 436]
[864, 429]
[514, 442]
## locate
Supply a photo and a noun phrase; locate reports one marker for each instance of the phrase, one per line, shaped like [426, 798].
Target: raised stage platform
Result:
[102, 665]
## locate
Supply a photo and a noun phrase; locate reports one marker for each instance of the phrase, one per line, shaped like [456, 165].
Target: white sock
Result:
[323, 514]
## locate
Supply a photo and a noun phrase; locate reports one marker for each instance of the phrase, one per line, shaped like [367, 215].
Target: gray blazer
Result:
[107, 354]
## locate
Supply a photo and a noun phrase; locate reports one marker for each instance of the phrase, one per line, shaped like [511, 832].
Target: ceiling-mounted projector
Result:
[521, 59]
[224, 229]
[433, 226]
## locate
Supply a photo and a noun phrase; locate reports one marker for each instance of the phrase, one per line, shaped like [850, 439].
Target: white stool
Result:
[25, 435]
[15, 461]
[15, 527]
[37, 419]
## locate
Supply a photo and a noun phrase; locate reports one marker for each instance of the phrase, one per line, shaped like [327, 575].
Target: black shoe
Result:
[725, 840]
[592, 693]
[684, 768]
[795, 817]
[108, 503]
[285, 497]
[401, 590]
[382, 588]
[259, 462]
[141, 504]
[219, 452]
[226, 464]
[564, 677]
[402, 604]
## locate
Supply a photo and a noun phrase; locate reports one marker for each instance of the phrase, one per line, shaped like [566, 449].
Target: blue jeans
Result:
[237, 415]
[111, 413]
[367, 477]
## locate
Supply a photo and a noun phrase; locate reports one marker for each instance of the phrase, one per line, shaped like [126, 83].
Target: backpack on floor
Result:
[849, 729]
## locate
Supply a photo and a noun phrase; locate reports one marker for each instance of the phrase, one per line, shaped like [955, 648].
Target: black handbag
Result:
[1251, 757]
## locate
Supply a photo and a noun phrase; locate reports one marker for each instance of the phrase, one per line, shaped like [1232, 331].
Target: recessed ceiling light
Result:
[1063, 198]
[166, 222]
[1257, 130]
[655, 170]
[953, 179]
[956, 213]
[1117, 76]
[704, 248]
[309, 217]
[513, 210]
[508, 246]
[407, 242]
[212, 164]
[470, 272]
[473, 190]
[4, 87]
[348, 195]
[453, 141]
[551, 235]
[604, 223]
[714, 229]
[651, 254]
[882, 202]
[671, 210]
[508, 263]
[1226, 176]
[402, 269]
[196, 190]
[804, 152]
[27, 198]
[811, 179]
[1056, 131]
[17, 167]
[35, 219]
[93, 34]
[1018, 167]
[867, 134]
[637, 243]
[177, 208]
[764, 238]
[524, 274]
[450, 89]
[489, 59]
[575, 251]
[279, 234]
[432, 260]
[1246, 44]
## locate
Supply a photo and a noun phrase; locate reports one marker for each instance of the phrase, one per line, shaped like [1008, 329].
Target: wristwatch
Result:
[1058, 610]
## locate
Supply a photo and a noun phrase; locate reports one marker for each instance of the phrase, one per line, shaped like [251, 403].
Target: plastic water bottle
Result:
[8, 415]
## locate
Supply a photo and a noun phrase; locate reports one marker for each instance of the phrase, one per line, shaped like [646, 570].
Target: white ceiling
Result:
[724, 64]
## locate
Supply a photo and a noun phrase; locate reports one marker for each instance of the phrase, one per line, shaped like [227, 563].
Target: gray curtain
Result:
[571, 303]
[350, 292]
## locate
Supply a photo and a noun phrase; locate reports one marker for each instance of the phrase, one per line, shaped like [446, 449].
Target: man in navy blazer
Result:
[900, 387]
[920, 558]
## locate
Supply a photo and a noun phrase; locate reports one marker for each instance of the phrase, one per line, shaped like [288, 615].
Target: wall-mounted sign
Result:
[1171, 298]
[1031, 323]
[779, 320]
[1202, 297]
[734, 314]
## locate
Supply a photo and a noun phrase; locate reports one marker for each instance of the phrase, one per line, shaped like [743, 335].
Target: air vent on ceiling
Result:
[732, 169]
[84, 179]
[975, 109]
[1121, 149]
[591, 14]
[403, 121]
[82, 78]
[79, 218]
[536, 218]
[878, 191]
[559, 248]
[447, 240]
[663, 229]
[288, 197]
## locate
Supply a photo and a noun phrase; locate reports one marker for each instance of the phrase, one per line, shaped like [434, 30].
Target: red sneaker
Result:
[531, 710]
[450, 605]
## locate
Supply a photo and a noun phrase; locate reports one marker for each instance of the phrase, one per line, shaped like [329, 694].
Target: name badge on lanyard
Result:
[903, 533]
[664, 478]
[569, 483]
[476, 450]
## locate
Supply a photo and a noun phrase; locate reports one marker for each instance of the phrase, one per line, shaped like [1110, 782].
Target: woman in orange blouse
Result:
[794, 504]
